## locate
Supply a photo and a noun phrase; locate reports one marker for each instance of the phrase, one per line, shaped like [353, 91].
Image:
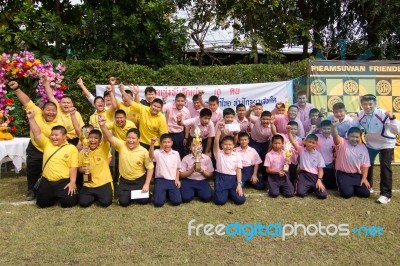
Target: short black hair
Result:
[312, 137]
[98, 97]
[120, 112]
[326, 123]
[259, 104]
[228, 138]
[205, 112]
[129, 92]
[149, 89]
[276, 137]
[240, 105]
[354, 130]
[228, 111]
[62, 129]
[313, 111]
[134, 130]
[165, 136]
[180, 95]
[293, 106]
[49, 104]
[266, 113]
[96, 132]
[338, 105]
[195, 98]
[293, 123]
[157, 100]
[213, 98]
[243, 134]
[368, 97]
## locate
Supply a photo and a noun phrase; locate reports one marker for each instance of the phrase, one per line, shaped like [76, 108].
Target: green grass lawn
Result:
[148, 235]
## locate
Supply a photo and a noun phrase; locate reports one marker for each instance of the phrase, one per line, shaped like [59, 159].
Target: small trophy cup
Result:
[197, 149]
[288, 155]
[87, 176]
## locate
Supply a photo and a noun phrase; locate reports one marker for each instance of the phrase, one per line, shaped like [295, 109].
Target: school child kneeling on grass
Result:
[194, 180]
[352, 163]
[168, 163]
[311, 167]
[278, 179]
[228, 174]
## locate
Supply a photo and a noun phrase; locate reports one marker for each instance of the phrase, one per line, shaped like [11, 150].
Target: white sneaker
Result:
[383, 200]
[371, 190]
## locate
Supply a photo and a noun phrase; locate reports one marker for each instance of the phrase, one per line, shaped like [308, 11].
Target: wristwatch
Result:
[240, 183]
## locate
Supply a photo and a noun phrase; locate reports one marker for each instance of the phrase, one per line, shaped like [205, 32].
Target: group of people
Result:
[287, 151]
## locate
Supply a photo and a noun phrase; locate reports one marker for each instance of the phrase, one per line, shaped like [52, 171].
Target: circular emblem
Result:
[318, 87]
[332, 100]
[383, 87]
[350, 87]
[396, 104]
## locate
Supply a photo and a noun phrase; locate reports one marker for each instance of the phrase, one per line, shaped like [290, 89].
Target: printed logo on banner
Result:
[383, 87]
[350, 87]
[332, 100]
[396, 104]
[318, 87]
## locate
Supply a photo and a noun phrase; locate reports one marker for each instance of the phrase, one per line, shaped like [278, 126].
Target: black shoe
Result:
[30, 195]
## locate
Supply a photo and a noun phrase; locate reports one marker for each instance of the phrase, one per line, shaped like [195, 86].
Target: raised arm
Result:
[335, 134]
[22, 97]
[75, 123]
[135, 92]
[248, 111]
[201, 101]
[85, 91]
[107, 133]
[126, 96]
[49, 91]
[291, 138]
[30, 114]
[217, 137]
[151, 149]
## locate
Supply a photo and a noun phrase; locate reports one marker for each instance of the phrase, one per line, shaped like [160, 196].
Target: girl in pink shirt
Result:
[274, 162]
[352, 163]
[228, 174]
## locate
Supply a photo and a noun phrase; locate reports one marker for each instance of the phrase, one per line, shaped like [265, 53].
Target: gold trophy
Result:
[288, 155]
[87, 176]
[198, 148]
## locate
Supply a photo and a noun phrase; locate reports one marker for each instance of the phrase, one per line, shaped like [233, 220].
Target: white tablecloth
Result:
[16, 150]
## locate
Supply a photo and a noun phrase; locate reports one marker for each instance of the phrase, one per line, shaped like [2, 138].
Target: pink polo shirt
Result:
[188, 162]
[249, 156]
[281, 122]
[245, 124]
[304, 113]
[326, 146]
[228, 163]
[171, 114]
[206, 131]
[167, 164]
[259, 133]
[310, 161]
[275, 160]
[217, 116]
[351, 159]
[193, 112]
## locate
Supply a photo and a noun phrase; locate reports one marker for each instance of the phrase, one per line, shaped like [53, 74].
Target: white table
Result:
[15, 150]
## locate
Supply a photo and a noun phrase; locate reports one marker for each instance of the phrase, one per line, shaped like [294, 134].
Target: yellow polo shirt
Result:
[150, 125]
[57, 168]
[44, 126]
[130, 115]
[100, 169]
[108, 115]
[132, 163]
[120, 132]
[65, 120]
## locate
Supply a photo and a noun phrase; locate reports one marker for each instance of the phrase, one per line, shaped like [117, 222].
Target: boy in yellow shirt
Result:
[135, 167]
[94, 163]
[59, 169]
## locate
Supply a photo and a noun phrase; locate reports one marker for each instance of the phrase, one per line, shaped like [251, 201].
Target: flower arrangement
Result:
[24, 68]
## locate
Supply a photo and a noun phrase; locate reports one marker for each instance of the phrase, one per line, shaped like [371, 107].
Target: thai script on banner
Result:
[268, 94]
